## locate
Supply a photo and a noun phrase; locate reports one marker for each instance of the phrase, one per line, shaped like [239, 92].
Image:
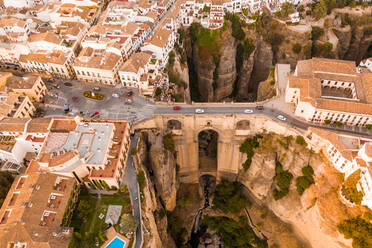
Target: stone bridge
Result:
[231, 129]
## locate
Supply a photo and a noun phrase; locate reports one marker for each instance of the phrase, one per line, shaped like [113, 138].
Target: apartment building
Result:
[15, 106]
[160, 45]
[23, 3]
[134, 71]
[326, 90]
[19, 136]
[37, 210]
[15, 29]
[57, 12]
[367, 63]
[94, 153]
[30, 85]
[99, 65]
[347, 154]
[56, 63]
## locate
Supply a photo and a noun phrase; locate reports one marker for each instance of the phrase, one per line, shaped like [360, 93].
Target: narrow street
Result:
[130, 178]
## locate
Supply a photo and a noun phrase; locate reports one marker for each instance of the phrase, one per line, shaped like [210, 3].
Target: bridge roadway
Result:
[291, 120]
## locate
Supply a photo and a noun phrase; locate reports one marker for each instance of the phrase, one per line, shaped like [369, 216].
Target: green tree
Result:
[357, 229]
[171, 58]
[248, 148]
[227, 197]
[301, 8]
[128, 223]
[296, 48]
[287, 9]
[316, 32]
[158, 91]
[320, 10]
[141, 179]
[181, 35]
[300, 140]
[327, 47]
[327, 122]
[168, 142]
[133, 151]
[84, 208]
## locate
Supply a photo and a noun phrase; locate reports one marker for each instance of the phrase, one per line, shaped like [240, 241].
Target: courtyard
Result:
[88, 219]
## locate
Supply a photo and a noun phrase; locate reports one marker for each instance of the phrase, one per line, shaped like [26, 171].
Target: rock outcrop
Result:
[217, 77]
[309, 214]
[163, 168]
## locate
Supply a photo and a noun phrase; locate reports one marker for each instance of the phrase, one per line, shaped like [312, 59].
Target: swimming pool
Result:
[116, 243]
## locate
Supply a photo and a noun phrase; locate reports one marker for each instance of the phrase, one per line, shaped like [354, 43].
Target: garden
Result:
[88, 221]
[94, 96]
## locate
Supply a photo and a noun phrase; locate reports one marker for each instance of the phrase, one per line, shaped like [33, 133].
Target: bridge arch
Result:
[208, 151]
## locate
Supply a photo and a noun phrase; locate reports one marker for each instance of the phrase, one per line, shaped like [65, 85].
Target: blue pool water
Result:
[116, 243]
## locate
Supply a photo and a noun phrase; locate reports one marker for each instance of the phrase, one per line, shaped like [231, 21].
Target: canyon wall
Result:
[222, 74]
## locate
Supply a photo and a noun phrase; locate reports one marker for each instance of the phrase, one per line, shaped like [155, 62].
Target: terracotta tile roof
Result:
[161, 37]
[135, 62]
[25, 82]
[13, 124]
[311, 72]
[89, 58]
[64, 124]
[39, 125]
[28, 209]
[47, 36]
[369, 149]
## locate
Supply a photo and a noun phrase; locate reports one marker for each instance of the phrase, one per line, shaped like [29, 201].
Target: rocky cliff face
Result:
[163, 168]
[218, 79]
[309, 214]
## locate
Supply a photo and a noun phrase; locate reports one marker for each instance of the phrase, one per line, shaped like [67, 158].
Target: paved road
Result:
[268, 111]
[130, 178]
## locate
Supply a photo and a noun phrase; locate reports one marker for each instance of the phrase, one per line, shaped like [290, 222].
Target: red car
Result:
[75, 99]
[176, 107]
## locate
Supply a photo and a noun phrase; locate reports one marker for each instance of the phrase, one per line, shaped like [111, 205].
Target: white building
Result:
[326, 90]
[160, 45]
[21, 136]
[347, 154]
[99, 65]
[23, 3]
[366, 63]
[134, 71]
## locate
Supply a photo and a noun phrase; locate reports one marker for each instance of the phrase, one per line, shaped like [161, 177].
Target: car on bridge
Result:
[199, 111]
[260, 107]
[248, 111]
[176, 107]
[282, 118]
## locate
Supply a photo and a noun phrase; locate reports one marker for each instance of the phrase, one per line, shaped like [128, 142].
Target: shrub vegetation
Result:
[357, 229]
[227, 197]
[283, 180]
[248, 148]
[233, 233]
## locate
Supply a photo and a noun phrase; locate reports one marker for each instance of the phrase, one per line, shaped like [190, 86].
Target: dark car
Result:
[260, 107]
[130, 93]
[176, 107]
[68, 84]
[66, 108]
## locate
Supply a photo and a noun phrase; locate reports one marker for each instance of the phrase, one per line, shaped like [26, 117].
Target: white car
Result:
[282, 118]
[248, 111]
[115, 95]
[199, 111]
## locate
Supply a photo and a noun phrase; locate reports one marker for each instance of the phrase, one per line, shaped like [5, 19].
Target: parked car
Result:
[130, 93]
[176, 107]
[96, 88]
[68, 84]
[75, 99]
[248, 111]
[115, 95]
[66, 107]
[282, 118]
[260, 107]
[199, 111]
[94, 114]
